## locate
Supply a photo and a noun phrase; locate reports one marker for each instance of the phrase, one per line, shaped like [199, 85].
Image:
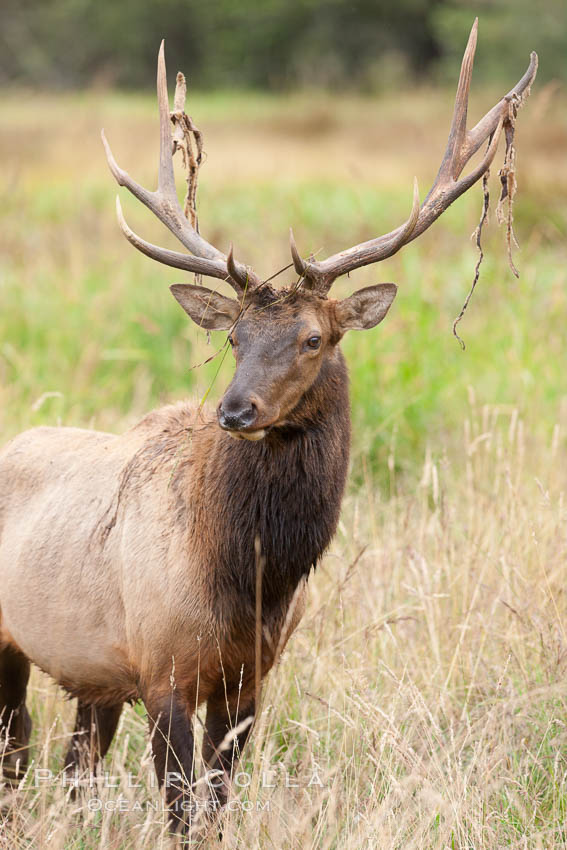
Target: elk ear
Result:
[208, 309]
[366, 308]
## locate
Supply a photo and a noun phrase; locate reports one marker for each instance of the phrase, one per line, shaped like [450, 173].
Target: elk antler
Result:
[204, 258]
[462, 144]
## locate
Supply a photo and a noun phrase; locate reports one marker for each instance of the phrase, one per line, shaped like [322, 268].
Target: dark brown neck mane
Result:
[286, 489]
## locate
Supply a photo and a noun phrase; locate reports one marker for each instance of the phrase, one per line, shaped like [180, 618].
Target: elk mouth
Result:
[253, 436]
[249, 424]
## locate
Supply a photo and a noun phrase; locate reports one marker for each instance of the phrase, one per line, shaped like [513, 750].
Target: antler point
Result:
[122, 223]
[298, 262]
[233, 270]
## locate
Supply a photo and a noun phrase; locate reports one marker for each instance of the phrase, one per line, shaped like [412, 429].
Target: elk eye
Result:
[314, 342]
[231, 341]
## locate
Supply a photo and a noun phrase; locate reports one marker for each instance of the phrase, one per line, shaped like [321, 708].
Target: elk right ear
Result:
[208, 309]
[366, 308]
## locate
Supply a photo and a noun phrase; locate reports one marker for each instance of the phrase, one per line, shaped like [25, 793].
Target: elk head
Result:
[281, 338]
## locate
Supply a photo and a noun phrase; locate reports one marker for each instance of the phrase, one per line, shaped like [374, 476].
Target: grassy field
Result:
[422, 702]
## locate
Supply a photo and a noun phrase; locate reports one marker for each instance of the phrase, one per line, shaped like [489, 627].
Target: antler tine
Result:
[166, 177]
[518, 94]
[239, 273]
[458, 130]
[187, 262]
[205, 258]
[320, 276]
[298, 263]
[461, 146]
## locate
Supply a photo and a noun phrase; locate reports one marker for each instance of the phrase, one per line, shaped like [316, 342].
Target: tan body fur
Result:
[98, 585]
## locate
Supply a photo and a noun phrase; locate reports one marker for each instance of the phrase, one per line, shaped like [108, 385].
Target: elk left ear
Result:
[209, 310]
[366, 308]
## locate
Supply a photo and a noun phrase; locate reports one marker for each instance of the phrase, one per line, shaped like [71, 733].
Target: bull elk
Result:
[129, 564]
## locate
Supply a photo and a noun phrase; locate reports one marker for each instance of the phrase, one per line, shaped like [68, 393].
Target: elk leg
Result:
[15, 721]
[171, 731]
[226, 733]
[94, 730]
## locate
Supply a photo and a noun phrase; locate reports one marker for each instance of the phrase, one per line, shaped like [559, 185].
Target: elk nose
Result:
[236, 414]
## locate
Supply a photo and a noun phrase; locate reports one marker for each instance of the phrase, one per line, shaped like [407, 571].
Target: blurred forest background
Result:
[276, 44]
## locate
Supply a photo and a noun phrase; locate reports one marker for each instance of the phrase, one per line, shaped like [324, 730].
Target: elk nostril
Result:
[236, 414]
[248, 414]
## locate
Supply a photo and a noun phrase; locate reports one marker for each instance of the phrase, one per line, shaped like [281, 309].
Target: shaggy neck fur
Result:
[286, 490]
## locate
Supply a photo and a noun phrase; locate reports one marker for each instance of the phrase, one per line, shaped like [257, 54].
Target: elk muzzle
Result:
[241, 415]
